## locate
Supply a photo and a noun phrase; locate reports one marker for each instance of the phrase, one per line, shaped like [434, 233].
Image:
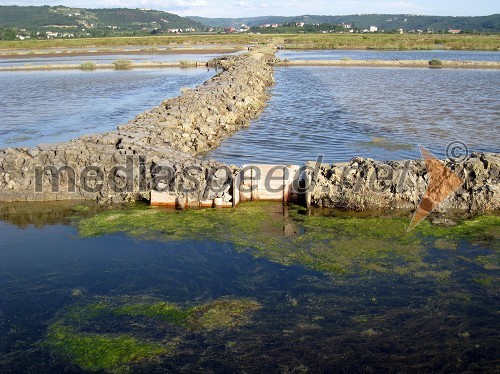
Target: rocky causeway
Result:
[157, 151]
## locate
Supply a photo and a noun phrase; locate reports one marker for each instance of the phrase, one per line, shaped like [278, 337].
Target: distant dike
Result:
[157, 151]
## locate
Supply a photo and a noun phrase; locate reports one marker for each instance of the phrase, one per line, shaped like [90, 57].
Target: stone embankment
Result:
[154, 151]
[365, 184]
[393, 63]
[157, 151]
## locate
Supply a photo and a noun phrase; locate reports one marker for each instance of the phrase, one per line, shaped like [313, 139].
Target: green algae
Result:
[94, 350]
[166, 311]
[216, 314]
[489, 262]
[221, 313]
[487, 281]
[81, 208]
[335, 243]
[445, 244]
[98, 352]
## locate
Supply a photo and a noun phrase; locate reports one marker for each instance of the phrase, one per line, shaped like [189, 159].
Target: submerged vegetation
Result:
[217, 314]
[96, 350]
[336, 243]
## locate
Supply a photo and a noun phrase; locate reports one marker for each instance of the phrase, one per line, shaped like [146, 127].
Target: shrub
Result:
[435, 62]
[122, 64]
[187, 63]
[88, 66]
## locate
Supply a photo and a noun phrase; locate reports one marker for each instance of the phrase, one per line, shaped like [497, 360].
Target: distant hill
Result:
[61, 21]
[54, 18]
[361, 21]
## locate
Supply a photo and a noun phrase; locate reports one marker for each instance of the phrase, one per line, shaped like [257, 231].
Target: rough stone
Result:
[168, 136]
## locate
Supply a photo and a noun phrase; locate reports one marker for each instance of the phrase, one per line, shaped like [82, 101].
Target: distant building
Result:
[373, 28]
[454, 31]
[229, 30]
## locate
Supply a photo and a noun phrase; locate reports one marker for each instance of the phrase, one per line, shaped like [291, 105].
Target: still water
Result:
[390, 55]
[382, 113]
[106, 59]
[328, 291]
[52, 106]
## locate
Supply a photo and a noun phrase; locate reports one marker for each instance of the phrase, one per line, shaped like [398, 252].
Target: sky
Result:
[250, 8]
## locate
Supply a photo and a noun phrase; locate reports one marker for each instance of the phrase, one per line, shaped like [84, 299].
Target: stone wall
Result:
[154, 151]
[365, 184]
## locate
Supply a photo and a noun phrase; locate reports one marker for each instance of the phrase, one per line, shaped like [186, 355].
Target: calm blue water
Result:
[390, 55]
[52, 106]
[381, 113]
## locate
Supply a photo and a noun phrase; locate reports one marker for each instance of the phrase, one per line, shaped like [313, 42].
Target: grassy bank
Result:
[291, 41]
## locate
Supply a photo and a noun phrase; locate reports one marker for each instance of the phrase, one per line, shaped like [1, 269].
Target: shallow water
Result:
[430, 315]
[381, 113]
[52, 106]
[105, 59]
[390, 55]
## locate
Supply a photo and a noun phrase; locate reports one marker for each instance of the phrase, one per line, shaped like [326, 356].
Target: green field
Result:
[290, 41]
